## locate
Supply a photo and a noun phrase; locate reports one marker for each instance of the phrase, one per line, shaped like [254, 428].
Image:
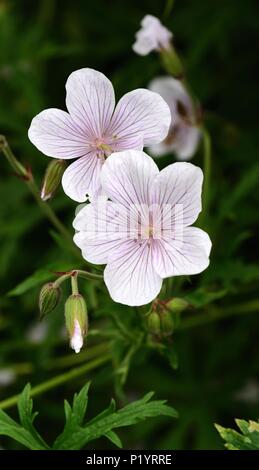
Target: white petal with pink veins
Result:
[90, 101]
[185, 254]
[173, 91]
[82, 177]
[102, 228]
[141, 113]
[127, 177]
[180, 185]
[152, 36]
[56, 135]
[130, 276]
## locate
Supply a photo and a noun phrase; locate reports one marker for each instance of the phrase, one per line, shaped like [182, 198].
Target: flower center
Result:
[147, 232]
[106, 149]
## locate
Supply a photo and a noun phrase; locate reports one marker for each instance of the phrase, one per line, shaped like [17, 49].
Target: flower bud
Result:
[167, 323]
[177, 305]
[52, 178]
[76, 320]
[49, 298]
[153, 323]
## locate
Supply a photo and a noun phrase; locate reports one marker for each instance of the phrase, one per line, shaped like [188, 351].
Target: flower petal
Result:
[172, 91]
[82, 177]
[188, 253]
[141, 113]
[55, 134]
[130, 276]
[184, 144]
[102, 227]
[127, 177]
[152, 36]
[179, 186]
[90, 101]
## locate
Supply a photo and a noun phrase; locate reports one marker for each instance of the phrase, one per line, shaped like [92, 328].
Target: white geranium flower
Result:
[184, 135]
[152, 36]
[142, 233]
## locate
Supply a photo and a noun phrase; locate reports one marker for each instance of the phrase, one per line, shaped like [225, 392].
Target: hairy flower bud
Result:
[49, 298]
[52, 178]
[76, 320]
[167, 323]
[153, 323]
[177, 305]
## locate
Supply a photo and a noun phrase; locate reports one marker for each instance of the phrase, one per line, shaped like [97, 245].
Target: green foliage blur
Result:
[216, 343]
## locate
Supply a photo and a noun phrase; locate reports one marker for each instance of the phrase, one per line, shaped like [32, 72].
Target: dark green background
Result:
[41, 43]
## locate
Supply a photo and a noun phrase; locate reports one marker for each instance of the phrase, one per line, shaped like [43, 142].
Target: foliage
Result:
[248, 439]
[76, 433]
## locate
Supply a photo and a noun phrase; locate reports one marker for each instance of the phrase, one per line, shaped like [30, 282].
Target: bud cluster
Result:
[164, 316]
[76, 318]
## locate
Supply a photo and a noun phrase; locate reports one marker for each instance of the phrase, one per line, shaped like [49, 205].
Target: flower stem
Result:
[73, 275]
[74, 284]
[87, 275]
[27, 176]
[168, 8]
[58, 380]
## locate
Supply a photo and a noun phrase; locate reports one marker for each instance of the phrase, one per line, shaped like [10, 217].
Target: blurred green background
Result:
[41, 43]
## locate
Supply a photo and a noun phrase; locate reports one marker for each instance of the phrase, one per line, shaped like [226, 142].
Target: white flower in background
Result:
[7, 377]
[37, 333]
[184, 135]
[143, 232]
[93, 128]
[152, 36]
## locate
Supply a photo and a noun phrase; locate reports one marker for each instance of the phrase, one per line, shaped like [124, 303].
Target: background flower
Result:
[152, 36]
[92, 129]
[136, 265]
[184, 134]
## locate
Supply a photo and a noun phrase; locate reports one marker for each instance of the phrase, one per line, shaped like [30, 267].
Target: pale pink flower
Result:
[152, 36]
[77, 339]
[92, 129]
[142, 233]
[184, 135]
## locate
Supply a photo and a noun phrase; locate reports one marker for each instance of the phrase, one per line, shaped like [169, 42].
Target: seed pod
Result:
[167, 323]
[76, 320]
[153, 323]
[52, 178]
[49, 298]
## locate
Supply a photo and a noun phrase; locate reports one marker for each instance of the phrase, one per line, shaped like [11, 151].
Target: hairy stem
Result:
[74, 284]
[87, 275]
[27, 177]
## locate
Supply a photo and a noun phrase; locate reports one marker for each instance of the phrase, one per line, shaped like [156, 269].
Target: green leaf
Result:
[25, 406]
[248, 439]
[24, 433]
[80, 404]
[75, 437]
[38, 277]
[114, 438]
